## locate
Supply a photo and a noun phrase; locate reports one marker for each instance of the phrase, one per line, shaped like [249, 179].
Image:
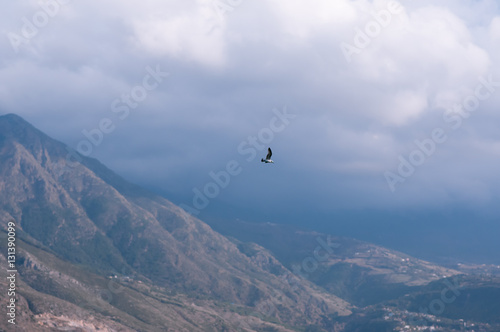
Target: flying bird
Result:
[268, 157]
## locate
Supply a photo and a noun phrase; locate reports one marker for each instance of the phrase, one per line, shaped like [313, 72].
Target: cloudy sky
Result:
[366, 104]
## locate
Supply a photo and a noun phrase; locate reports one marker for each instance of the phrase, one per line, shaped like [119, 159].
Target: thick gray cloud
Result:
[365, 79]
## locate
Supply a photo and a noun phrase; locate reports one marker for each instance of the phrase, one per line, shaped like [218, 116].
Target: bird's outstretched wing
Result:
[269, 153]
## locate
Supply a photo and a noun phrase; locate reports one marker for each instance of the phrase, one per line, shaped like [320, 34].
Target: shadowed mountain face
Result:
[73, 216]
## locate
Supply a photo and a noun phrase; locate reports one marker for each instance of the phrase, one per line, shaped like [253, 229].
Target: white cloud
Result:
[420, 57]
[306, 19]
[495, 30]
[192, 36]
[404, 106]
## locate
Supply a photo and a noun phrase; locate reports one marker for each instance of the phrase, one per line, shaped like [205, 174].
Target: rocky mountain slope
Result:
[78, 223]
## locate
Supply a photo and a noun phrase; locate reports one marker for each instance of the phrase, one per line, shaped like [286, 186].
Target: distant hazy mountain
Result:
[96, 253]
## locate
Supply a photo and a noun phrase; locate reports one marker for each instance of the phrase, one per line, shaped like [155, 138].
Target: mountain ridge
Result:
[89, 216]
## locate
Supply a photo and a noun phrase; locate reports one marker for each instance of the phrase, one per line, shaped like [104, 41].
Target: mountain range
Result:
[95, 252]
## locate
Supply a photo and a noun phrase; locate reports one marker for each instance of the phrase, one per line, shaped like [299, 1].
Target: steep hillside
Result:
[359, 272]
[79, 222]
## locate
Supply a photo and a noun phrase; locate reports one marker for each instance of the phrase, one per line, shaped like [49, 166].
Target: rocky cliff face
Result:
[74, 217]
